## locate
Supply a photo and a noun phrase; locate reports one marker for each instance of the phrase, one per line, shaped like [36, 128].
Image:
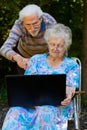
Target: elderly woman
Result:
[47, 117]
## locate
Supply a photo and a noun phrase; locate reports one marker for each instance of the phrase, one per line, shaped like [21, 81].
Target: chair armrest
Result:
[79, 92]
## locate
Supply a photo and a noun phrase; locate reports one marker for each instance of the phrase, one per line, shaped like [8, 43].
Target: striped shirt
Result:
[27, 45]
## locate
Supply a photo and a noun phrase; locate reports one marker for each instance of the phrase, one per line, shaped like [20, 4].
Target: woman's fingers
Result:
[66, 101]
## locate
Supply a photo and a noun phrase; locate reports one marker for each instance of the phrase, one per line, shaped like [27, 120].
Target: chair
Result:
[77, 101]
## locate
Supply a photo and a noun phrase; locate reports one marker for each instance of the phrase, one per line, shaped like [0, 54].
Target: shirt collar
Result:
[43, 26]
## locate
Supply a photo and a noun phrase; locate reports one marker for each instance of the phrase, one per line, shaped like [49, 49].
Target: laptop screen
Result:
[36, 90]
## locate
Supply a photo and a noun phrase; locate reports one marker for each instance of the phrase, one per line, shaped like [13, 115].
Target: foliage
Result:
[8, 15]
[70, 13]
[3, 92]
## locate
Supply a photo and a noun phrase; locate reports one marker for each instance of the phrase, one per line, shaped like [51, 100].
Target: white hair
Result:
[59, 31]
[29, 10]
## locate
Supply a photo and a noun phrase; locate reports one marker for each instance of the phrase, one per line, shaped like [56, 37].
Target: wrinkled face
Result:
[32, 24]
[57, 47]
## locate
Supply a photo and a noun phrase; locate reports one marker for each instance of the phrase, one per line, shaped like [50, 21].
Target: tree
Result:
[84, 51]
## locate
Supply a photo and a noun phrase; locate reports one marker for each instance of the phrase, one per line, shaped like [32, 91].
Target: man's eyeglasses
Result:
[35, 24]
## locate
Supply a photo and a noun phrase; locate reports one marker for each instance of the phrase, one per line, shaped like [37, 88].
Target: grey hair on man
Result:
[59, 30]
[29, 10]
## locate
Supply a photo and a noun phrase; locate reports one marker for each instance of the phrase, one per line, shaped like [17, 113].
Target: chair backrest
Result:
[79, 62]
[79, 96]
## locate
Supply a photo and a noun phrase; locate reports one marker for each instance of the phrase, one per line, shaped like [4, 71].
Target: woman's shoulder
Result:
[71, 61]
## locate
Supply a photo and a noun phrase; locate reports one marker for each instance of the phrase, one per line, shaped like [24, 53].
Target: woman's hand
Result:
[21, 61]
[70, 91]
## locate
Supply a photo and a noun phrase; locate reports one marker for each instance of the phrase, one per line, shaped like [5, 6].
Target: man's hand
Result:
[21, 61]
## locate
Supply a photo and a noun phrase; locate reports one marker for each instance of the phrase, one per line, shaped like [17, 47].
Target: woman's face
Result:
[57, 47]
[32, 24]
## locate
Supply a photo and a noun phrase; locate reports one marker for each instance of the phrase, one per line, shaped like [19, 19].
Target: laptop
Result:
[35, 90]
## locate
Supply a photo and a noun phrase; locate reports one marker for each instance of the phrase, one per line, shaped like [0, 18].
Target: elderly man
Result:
[27, 35]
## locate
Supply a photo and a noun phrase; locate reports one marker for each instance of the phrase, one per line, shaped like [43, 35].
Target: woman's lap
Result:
[39, 118]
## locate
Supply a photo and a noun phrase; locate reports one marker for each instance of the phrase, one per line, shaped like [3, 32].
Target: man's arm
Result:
[7, 48]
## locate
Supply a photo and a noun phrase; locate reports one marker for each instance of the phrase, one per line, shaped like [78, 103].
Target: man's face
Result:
[32, 24]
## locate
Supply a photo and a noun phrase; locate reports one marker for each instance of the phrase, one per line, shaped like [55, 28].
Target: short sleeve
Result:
[73, 76]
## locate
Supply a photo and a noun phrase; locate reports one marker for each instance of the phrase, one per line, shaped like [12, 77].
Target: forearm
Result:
[7, 49]
[21, 61]
[17, 58]
[70, 91]
[7, 52]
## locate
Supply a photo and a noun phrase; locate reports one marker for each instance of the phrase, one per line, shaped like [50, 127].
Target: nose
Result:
[31, 27]
[55, 48]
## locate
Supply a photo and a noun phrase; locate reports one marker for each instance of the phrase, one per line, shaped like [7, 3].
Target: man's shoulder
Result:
[45, 14]
[18, 21]
[18, 26]
[48, 18]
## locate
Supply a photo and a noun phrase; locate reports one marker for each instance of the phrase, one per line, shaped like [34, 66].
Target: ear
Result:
[40, 18]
